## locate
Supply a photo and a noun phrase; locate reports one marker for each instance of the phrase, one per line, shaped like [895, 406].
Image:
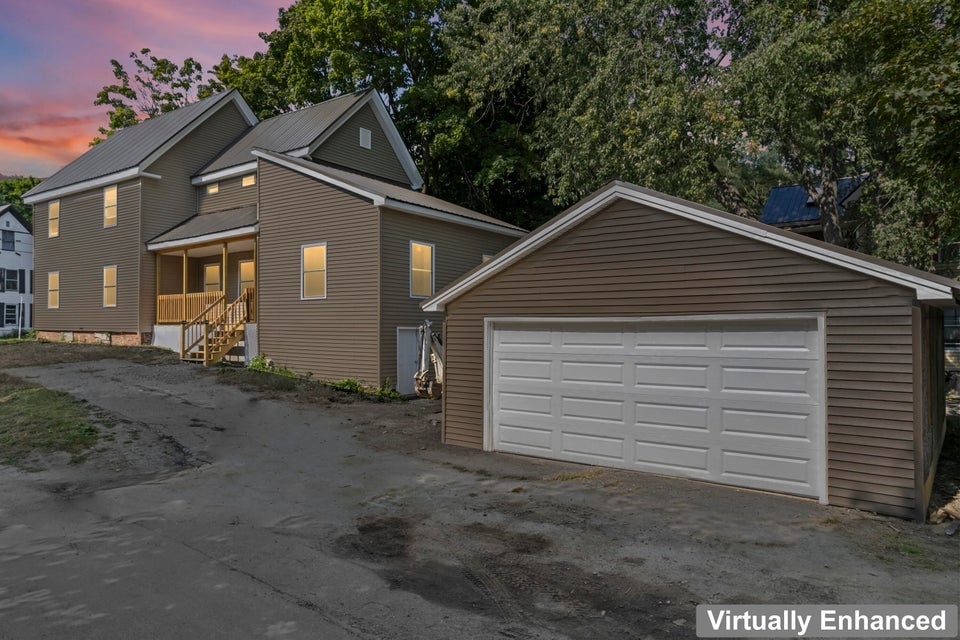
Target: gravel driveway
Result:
[213, 512]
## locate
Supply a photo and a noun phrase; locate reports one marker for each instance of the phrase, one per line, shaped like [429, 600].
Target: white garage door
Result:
[730, 400]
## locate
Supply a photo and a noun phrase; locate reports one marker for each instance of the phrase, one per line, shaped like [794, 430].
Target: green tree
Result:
[12, 190]
[159, 85]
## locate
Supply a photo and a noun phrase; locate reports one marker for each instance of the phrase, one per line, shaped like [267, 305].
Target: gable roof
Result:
[8, 209]
[127, 153]
[926, 286]
[386, 194]
[299, 133]
[791, 204]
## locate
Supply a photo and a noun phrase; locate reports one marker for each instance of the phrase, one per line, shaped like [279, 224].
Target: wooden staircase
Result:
[215, 331]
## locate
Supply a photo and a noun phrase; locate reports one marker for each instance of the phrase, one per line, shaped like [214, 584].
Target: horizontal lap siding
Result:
[231, 195]
[343, 149]
[457, 249]
[83, 248]
[173, 199]
[636, 262]
[336, 337]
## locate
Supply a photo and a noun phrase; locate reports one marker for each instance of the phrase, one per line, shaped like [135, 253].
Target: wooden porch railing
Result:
[251, 294]
[208, 337]
[177, 307]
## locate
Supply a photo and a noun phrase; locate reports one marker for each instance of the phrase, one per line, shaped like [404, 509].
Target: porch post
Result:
[183, 308]
[223, 271]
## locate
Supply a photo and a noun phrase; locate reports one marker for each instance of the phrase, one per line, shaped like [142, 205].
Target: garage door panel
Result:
[737, 404]
[670, 458]
[526, 369]
[605, 373]
[587, 445]
[671, 376]
[766, 423]
[672, 416]
[527, 439]
[594, 410]
[760, 380]
[795, 471]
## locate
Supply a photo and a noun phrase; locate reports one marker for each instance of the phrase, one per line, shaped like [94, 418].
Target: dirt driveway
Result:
[214, 512]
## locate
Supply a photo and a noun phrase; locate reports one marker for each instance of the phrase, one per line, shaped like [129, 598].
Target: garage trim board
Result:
[734, 399]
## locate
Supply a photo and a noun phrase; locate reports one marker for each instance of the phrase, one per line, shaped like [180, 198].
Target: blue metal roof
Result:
[791, 204]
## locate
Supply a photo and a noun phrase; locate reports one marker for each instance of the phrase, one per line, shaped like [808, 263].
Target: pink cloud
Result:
[62, 59]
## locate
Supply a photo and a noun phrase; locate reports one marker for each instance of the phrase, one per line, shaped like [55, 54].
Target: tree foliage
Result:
[519, 107]
[12, 190]
[159, 85]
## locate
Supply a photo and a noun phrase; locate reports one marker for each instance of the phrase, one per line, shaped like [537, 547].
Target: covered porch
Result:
[206, 285]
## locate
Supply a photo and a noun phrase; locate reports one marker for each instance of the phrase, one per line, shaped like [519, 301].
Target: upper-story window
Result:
[365, 139]
[7, 240]
[110, 206]
[248, 181]
[10, 280]
[213, 189]
[53, 216]
[421, 269]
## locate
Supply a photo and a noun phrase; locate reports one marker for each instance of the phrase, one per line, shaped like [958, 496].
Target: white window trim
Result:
[366, 138]
[49, 218]
[433, 269]
[203, 275]
[50, 273]
[116, 206]
[326, 269]
[251, 176]
[116, 286]
[240, 264]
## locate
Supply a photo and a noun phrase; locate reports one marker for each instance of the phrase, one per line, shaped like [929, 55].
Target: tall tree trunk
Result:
[824, 194]
[730, 196]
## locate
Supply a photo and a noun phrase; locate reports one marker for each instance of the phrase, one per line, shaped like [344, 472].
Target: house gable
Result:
[343, 147]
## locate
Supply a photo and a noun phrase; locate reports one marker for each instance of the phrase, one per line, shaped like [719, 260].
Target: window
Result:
[365, 141]
[53, 290]
[213, 189]
[110, 286]
[951, 329]
[6, 240]
[211, 277]
[313, 268]
[9, 280]
[53, 215]
[110, 206]
[10, 315]
[248, 181]
[247, 275]
[421, 270]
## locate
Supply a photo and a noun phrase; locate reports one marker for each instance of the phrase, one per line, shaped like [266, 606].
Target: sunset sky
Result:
[55, 57]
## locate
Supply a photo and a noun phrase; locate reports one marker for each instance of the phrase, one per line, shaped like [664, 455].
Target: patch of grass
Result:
[37, 419]
[347, 385]
[566, 476]
[264, 365]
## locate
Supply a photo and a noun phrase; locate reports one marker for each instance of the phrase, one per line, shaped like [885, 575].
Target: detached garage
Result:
[644, 332]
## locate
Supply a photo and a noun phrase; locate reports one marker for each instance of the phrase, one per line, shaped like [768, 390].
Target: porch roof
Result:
[209, 227]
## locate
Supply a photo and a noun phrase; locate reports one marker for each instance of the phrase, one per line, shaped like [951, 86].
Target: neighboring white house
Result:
[16, 272]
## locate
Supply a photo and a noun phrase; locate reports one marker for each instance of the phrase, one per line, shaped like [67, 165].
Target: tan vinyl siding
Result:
[231, 196]
[83, 248]
[335, 337]
[457, 249]
[343, 149]
[636, 262]
[172, 199]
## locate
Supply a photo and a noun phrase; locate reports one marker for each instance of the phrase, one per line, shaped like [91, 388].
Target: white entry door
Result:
[407, 359]
[732, 401]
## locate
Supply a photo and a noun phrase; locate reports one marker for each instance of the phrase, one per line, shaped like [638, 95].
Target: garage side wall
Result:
[335, 337]
[631, 261]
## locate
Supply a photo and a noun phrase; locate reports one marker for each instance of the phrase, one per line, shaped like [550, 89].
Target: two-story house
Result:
[16, 272]
[303, 235]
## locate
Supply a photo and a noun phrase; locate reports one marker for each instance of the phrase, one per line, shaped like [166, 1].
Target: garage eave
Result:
[927, 287]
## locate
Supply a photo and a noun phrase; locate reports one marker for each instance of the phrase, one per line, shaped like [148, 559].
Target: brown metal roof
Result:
[210, 223]
[285, 132]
